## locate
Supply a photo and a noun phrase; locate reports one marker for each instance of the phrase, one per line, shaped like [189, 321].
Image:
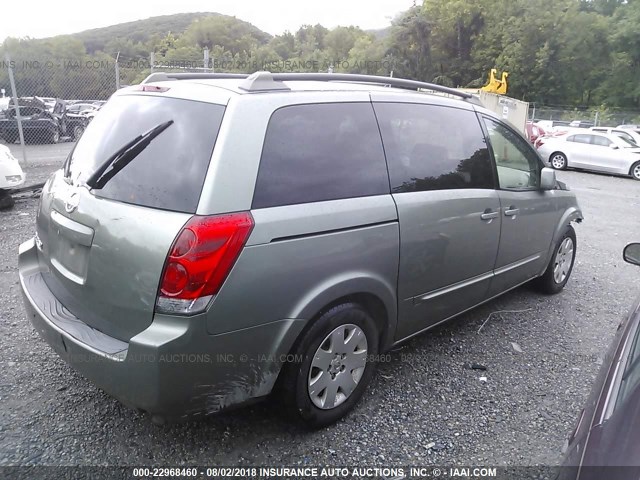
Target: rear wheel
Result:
[78, 130]
[558, 161]
[560, 267]
[54, 137]
[332, 367]
[10, 138]
[635, 171]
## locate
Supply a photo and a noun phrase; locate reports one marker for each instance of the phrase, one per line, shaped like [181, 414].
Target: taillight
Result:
[200, 260]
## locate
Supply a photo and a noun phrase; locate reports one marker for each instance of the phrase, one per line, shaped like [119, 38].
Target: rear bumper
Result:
[174, 369]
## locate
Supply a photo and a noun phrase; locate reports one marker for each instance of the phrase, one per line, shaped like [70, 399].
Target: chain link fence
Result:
[600, 117]
[45, 101]
[49, 101]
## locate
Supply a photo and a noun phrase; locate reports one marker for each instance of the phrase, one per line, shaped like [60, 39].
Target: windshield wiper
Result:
[124, 156]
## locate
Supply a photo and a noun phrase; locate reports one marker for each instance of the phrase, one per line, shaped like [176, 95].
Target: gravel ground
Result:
[425, 406]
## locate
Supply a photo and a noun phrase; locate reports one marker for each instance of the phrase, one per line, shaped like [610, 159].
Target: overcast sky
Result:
[45, 18]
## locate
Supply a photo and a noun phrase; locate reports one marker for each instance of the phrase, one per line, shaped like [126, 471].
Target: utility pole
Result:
[206, 59]
[17, 107]
[117, 72]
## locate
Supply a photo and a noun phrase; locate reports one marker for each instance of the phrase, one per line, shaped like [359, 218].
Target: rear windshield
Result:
[169, 173]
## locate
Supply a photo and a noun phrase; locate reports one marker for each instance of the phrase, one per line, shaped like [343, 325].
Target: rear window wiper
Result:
[124, 156]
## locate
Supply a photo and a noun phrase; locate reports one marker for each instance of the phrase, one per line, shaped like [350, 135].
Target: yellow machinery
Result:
[495, 85]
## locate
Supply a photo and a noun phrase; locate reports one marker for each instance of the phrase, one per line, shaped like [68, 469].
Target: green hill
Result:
[141, 31]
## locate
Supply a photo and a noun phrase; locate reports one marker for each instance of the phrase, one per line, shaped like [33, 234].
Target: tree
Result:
[409, 45]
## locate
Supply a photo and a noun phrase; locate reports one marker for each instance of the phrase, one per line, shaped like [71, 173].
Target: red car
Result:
[534, 132]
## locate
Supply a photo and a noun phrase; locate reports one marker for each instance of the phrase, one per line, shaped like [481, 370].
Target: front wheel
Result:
[635, 171]
[332, 367]
[558, 161]
[560, 267]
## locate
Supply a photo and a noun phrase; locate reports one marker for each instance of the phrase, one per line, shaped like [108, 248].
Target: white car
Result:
[591, 150]
[11, 175]
[626, 133]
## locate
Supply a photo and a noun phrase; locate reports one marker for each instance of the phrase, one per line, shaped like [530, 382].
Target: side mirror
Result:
[613, 146]
[548, 179]
[631, 253]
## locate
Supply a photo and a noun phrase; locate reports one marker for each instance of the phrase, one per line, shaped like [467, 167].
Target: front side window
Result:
[432, 147]
[320, 152]
[517, 163]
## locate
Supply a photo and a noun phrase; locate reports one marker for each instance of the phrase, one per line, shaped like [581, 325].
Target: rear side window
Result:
[580, 138]
[432, 147]
[169, 173]
[321, 152]
[601, 141]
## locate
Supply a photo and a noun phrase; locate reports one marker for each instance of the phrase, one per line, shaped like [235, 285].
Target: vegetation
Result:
[575, 53]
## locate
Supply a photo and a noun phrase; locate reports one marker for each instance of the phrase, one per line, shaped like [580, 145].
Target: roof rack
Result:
[166, 77]
[267, 81]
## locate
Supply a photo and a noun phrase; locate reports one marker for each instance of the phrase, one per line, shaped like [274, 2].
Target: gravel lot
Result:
[425, 406]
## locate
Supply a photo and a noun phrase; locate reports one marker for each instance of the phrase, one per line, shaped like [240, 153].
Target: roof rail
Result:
[262, 81]
[165, 77]
[266, 81]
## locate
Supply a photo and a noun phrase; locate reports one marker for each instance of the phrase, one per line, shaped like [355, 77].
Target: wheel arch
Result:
[374, 294]
[571, 215]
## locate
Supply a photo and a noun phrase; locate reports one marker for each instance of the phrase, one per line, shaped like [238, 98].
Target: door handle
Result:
[512, 211]
[489, 215]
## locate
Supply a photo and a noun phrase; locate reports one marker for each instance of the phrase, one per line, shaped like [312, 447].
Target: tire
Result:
[10, 138]
[301, 381]
[558, 160]
[560, 267]
[78, 130]
[635, 171]
[6, 200]
[54, 137]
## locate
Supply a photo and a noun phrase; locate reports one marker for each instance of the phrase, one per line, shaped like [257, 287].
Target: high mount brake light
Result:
[152, 88]
[200, 260]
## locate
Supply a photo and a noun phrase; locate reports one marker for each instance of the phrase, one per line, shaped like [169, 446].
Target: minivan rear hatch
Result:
[103, 245]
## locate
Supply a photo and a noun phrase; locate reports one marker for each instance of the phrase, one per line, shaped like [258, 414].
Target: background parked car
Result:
[79, 108]
[581, 124]
[40, 122]
[11, 176]
[630, 127]
[626, 133]
[596, 151]
[607, 434]
[534, 131]
[551, 125]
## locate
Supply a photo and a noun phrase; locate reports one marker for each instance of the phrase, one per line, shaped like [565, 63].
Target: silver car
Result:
[591, 150]
[215, 238]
